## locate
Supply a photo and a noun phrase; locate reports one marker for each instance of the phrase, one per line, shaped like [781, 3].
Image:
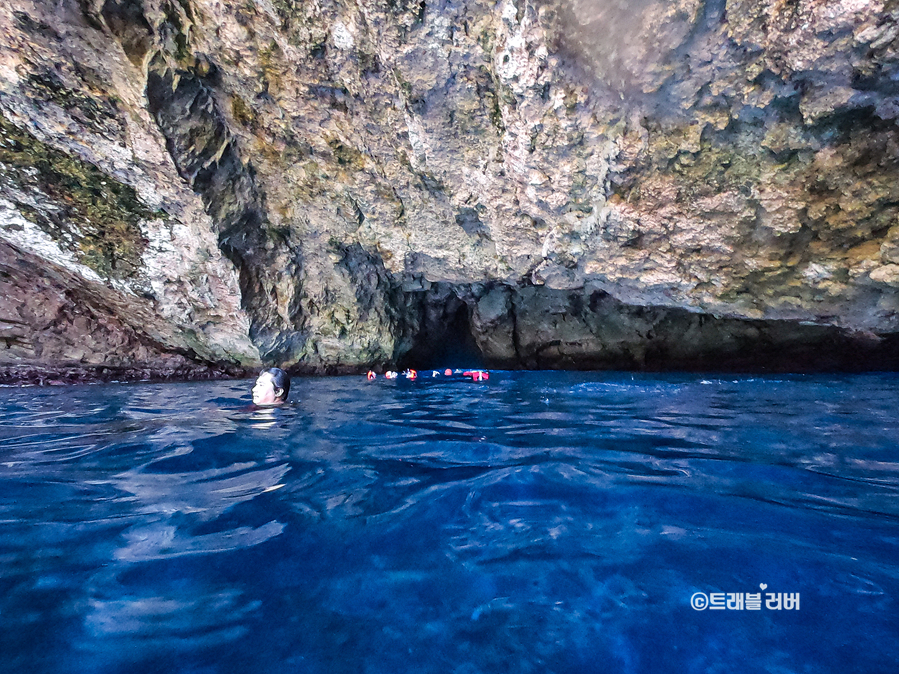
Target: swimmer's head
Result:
[272, 387]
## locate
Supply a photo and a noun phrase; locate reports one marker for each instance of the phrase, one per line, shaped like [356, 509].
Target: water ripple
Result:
[542, 522]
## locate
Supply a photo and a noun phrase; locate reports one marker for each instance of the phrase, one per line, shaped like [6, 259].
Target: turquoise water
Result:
[541, 522]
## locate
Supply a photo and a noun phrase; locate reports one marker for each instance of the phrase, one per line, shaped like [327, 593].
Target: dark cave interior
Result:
[444, 338]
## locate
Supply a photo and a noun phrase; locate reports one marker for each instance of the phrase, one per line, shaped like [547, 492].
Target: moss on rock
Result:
[94, 215]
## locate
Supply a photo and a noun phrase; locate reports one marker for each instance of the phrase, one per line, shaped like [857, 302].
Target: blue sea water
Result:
[540, 522]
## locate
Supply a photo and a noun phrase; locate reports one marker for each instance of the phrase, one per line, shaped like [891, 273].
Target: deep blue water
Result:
[542, 522]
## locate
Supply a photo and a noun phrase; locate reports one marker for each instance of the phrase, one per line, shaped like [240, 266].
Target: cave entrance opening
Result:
[444, 338]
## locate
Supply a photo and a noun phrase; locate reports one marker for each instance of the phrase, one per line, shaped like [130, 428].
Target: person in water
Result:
[272, 387]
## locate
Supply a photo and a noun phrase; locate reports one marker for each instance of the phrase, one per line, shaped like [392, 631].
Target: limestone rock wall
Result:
[332, 185]
[57, 328]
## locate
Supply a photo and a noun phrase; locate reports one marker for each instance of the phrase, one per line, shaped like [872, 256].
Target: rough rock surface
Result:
[55, 327]
[333, 185]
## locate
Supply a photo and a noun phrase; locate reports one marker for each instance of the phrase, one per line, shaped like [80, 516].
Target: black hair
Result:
[280, 380]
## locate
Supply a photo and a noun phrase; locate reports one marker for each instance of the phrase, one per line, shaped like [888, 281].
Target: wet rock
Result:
[55, 328]
[589, 329]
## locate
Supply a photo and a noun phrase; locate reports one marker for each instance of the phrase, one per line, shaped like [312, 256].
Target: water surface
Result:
[542, 522]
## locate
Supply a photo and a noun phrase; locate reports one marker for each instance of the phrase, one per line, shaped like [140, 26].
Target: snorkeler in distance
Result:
[448, 374]
[271, 387]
